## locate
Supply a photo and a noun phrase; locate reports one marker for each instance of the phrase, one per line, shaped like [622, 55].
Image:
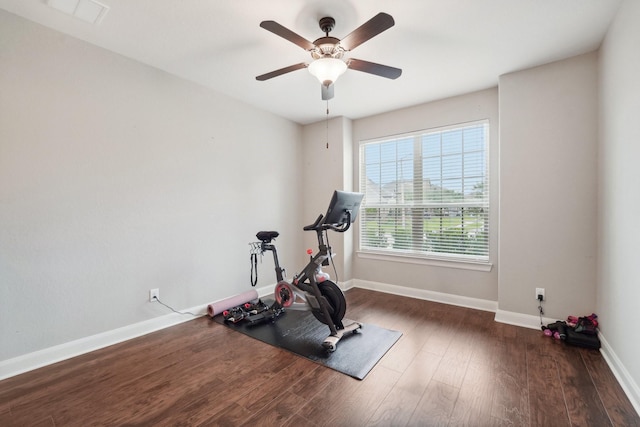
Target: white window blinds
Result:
[427, 193]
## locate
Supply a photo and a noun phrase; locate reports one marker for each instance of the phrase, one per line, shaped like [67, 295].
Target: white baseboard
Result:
[266, 290]
[346, 285]
[50, 355]
[461, 301]
[625, 380]
[520, 319]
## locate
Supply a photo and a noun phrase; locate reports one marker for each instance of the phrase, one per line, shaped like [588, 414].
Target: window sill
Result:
[435, 262]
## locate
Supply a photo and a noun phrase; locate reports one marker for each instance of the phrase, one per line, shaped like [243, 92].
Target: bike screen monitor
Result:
[341, 203]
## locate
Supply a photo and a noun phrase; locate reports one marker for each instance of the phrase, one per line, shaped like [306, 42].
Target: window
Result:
[427, 194]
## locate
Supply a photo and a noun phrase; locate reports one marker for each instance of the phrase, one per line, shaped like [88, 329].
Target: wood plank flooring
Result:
[452, 367]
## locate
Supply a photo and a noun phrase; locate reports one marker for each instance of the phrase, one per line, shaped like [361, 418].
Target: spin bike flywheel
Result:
[337, 303]
[285, 295]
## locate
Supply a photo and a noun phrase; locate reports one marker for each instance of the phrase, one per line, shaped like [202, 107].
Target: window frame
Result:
[419, 256]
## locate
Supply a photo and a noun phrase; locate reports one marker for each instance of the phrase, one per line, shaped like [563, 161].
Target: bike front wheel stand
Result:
[331, 342]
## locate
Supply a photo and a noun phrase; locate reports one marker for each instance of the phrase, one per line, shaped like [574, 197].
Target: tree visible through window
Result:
[427, 193]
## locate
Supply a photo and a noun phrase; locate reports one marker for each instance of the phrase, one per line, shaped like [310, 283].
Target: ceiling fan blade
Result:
[327, 92]
[373, 68]
[281, 71]
[368, 30]
[287, 34]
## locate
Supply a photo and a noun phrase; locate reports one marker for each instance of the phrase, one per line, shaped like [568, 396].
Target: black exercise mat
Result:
[301, 333]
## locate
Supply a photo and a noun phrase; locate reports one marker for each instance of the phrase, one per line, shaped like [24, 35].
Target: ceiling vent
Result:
[87, 10]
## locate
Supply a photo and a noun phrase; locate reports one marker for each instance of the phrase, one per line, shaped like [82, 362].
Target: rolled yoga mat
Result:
[225, 304]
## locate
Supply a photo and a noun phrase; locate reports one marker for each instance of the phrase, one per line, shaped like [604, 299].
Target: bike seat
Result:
[267, 236]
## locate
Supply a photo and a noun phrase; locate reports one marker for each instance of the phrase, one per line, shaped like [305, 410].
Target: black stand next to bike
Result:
[309, 291]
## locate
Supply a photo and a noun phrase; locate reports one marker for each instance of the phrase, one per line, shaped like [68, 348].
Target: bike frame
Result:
[306, 279]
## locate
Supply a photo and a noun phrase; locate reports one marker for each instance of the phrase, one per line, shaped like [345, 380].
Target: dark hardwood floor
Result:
[453, 366]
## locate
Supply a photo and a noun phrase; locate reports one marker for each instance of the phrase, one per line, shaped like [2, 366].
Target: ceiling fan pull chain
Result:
[327, 124]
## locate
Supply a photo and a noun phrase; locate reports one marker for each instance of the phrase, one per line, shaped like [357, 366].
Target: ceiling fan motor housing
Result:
[327, 47]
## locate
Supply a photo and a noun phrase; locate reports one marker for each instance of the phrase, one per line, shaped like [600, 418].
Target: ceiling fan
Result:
[327, 51]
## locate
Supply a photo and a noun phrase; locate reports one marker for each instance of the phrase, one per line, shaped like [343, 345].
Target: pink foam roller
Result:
[225, 304]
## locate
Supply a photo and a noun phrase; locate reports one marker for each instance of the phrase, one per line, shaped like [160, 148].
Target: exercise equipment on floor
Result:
[311, 289]
[577, 331]
[219, 307]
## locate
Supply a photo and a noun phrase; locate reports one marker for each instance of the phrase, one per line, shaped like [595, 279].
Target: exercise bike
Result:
[311, 290]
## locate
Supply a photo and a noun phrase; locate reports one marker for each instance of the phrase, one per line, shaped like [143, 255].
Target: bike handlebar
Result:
[319, 225]
[314, 225]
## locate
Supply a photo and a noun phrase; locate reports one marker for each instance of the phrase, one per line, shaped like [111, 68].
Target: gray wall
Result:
[548, 181]
[619, 199]
[326, 166]
[423, 276]
[544, 208]
[116, 178]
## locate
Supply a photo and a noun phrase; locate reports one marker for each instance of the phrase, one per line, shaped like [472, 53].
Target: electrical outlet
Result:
[154, 295]
[539, 293]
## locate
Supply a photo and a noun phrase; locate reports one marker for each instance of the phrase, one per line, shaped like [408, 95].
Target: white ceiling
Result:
[444, 47]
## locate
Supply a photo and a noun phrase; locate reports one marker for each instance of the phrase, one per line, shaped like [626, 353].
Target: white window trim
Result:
[431, 258]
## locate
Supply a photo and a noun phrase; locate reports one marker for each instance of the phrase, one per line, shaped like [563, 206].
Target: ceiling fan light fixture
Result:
[327, 70]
